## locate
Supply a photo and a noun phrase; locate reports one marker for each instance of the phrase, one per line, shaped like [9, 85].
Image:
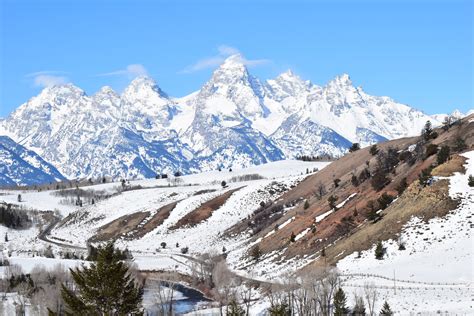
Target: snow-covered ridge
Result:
[234, 120]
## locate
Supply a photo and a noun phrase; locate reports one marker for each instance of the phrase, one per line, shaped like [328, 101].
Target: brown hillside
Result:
[348, 229]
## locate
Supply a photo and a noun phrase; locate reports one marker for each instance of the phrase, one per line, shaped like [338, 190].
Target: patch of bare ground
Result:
[161, 215]
[204, 211]
[447, 169]
[134, 226]
[119, 227]
[425, 203]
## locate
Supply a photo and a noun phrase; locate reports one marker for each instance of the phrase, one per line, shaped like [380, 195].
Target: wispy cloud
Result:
[132, 70]
[47, 78]
[224, 51]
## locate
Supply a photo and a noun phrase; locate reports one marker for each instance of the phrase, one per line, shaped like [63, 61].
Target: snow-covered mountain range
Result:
[234, 120]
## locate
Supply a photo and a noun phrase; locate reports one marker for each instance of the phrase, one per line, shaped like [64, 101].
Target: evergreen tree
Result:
[332, 202]
[359, 307]
[104, 288]
[379, 180]
[354, 180]
[386, 309]
[443, 155]
[427, 132]
[424, 177]
[471, 181]
[401, 187]
[459, 144]
[340, 308]
[255, 252]
[306, 204]
[379, 251]
[292, 237]
[354, 147]
[235, 309]
[373, 150]
[279, 310]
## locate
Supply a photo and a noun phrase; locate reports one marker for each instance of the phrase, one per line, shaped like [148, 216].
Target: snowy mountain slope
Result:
[297, 137]
[233, 120]
[20, 166]
[450, 241]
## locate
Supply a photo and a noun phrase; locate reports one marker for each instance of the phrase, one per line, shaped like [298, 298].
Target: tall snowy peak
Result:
[232, 90]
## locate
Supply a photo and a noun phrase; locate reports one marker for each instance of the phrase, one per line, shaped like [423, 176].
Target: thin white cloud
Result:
[47, 78]
[224, 51]
[133, 70]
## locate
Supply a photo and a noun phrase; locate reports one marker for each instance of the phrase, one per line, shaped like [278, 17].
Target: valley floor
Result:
[434, 275]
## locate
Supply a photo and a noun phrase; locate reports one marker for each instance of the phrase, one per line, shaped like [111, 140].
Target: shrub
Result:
[405, 156]
[443, 155]
[425, 176]
[471, 181]
[459, 144]
[306, 205]
[384, 200]
[364, 175]
[379, 180]
[332, 201]
[354, 180]
[401, 187]
[430, 150]
[336, 182]
[354, 147]
[255, 252]
[379, 251]
[184, 250]
[292, 237]
[373, 150]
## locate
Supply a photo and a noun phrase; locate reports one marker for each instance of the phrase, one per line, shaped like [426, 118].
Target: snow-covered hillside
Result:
[234, 120]
[20, 166]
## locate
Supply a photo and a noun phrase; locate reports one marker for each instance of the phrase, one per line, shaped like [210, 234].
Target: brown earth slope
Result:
[348, 229]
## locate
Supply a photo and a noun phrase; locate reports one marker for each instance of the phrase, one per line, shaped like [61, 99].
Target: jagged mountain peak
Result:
[62, 90]
[106, 90]
[233, 62]
[288, 84]
[142, 87]
[343, 80]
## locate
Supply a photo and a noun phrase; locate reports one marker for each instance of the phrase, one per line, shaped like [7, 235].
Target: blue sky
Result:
[417, 52]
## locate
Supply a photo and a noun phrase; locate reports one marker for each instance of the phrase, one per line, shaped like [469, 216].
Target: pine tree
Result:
[354, 147]
[279, 310]
[359, 307]
[332, 202]
[104, 288]
[379, 251]
[292, 237]
[424, 177]
[471, 181]
[235, 309]
[306, 204]
[386, 309]
[427, 131]
[443, 155]
[373, 150]
[340, 308]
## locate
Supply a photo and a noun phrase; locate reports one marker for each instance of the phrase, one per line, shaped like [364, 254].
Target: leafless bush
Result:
[246, 177]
